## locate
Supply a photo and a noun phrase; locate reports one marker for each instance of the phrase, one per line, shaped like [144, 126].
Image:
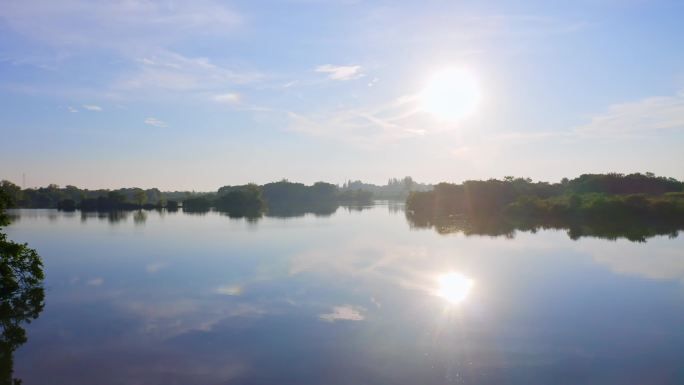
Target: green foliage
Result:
[21, 293]
[280, 198]
[244, 201]
[53, 196]
[5, 203]
[614, 183]
[140, 197]
[285, 199]
[198, 204]
[668, 207]
[67, 205]
[116, 197]
[598, 202]
[12, 193]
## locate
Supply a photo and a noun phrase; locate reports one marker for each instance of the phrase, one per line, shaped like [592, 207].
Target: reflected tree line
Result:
[278, 199]
[281, 199]
[140, 216]
[611, 206]
[21, 289]
[247, 202]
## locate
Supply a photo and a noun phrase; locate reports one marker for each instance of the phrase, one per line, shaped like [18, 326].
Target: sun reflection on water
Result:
[454, 287]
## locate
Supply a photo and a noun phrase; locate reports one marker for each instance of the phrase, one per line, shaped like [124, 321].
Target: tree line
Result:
[72, 197]
[609, 202]
[395, 189]
[283, 198]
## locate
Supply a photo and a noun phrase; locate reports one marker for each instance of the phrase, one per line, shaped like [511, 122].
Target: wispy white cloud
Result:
[146, 61]
[72, 109]
[231, 290]
[336, 72]
[95, 281]
[465, 33]
[155, 122]
[92, 107]
[228, 98]
[344, 313]
[365, 127]
[138, 32]
[128, 26]
[641, 116]
[155, 267]
[169, 71]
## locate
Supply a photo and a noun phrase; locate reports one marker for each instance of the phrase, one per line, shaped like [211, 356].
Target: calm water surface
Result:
[353, 298]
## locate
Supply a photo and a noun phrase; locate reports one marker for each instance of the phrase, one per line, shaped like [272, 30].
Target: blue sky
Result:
[196, 95]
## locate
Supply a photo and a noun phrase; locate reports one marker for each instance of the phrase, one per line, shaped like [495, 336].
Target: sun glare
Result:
[454, 287]
[450, 94]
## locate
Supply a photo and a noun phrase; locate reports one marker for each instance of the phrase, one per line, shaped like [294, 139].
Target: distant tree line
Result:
[72, 197]
[601, 200]
[395, 189]
[282, 198]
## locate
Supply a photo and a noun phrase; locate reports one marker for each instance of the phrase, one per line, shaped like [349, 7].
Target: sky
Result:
[194, 95]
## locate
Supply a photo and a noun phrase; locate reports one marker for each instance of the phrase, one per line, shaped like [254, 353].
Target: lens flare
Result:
[454, 287]
[450, 94]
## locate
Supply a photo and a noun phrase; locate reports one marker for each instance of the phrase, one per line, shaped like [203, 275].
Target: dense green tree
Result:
[116, 197]
[140, 197]
[197, 204]
[67, 204]
[12, 191]
[21, 294]
[245, 201]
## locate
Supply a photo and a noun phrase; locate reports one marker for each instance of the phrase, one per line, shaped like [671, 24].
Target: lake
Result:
[357, 297]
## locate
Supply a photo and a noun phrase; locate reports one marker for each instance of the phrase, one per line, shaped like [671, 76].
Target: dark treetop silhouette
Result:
[21, 294]
[279, 198]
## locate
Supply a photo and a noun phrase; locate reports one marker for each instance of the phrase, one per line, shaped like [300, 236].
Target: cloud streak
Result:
[137, 32]
[647, 115]
[336, 72]
[229, 98]
[134, 25]
[169, 71]
[365, 127]
[91, 107]
[230, 290]
[155, 122]
[98, 281]
[344, 313]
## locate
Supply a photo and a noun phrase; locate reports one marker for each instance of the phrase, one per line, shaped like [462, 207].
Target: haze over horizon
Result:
[197, 95]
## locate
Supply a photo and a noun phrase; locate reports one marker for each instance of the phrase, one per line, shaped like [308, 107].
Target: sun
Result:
[450, 94]
[454, 287]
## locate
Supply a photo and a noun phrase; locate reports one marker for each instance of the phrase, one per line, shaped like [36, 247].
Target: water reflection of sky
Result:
[190, 299]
